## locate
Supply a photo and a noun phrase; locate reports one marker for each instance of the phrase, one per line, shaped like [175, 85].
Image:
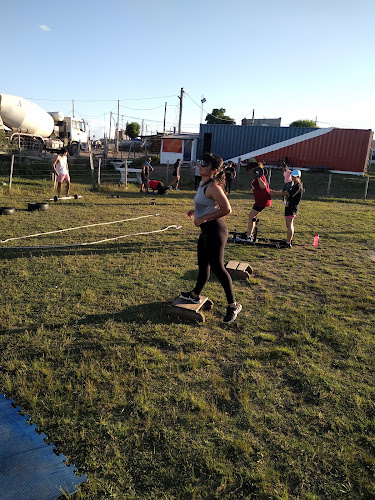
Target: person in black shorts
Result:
[230, 174]
[176, 174]
[156, 186]
[210, 207]
[293, 197]
[145, 172]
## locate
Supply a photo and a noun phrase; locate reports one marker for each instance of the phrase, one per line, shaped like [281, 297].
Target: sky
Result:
[294, 59]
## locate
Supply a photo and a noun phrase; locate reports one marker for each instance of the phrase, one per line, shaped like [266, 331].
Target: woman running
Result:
[293, 197]
[210, 207]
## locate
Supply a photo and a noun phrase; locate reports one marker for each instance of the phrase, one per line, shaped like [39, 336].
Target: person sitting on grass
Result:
[61, 169]
[156, 186]
[293, 197]
[262, 197]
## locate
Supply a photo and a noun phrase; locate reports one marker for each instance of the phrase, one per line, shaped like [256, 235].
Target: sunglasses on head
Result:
[203, 163]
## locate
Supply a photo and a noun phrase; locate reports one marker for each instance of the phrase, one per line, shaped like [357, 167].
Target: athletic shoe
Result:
[232, 312]
[246, 238]
[188, 296]
[284, 244]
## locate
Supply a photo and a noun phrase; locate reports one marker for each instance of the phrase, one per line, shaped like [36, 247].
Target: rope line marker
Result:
[78, 227]
[92, 242]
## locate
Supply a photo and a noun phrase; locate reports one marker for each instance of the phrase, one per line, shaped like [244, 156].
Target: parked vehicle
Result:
[27, 124]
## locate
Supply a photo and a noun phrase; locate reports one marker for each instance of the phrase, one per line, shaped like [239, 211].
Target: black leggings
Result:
[211, 244]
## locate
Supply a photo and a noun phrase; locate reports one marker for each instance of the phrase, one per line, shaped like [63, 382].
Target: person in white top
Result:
[61, 169]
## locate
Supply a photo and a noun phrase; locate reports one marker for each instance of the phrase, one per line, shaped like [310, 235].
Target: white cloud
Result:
[43, 27]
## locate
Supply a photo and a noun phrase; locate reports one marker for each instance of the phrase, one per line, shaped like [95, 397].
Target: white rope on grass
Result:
[73, 228]
[91, 242]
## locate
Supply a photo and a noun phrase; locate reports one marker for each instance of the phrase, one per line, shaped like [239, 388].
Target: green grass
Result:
[279, 405]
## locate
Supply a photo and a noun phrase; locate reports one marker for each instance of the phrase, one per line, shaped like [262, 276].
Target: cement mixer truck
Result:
[27, 125]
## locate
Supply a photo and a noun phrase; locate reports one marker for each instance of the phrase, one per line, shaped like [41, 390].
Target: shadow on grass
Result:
[20, 252]
[143, 314]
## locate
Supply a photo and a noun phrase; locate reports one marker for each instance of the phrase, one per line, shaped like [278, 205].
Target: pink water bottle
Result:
[316, 240]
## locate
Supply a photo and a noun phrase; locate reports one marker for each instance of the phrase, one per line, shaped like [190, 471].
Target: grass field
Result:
[279, 405]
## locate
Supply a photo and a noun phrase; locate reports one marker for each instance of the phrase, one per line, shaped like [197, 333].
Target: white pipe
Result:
[91, 242]
[78, 227]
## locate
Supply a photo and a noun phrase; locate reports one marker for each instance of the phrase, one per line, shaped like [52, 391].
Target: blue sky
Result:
[290, 59]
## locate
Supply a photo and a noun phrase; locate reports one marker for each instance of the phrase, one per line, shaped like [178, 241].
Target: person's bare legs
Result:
[250, 227]
[67, 188]
[58, 189]
[290, 229]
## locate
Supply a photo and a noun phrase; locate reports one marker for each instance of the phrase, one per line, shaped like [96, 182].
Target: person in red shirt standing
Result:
[262, 196]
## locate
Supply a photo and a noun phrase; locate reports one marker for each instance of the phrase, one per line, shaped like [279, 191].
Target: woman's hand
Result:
[191, 213]
[199, 220]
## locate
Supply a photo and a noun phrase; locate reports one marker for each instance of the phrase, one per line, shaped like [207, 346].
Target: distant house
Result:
[261, 122]
[181, 146]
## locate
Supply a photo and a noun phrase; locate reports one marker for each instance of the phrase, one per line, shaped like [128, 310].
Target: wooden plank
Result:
[242, 271]
[189, 310]
[232, 264]
[245, 267]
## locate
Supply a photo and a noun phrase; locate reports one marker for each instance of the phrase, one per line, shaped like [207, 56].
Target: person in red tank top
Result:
[262, 195]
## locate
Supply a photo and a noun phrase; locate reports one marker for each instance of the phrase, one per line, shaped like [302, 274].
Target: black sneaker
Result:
[244, 237]
[232, 312]
[188, 296]
[284, 244]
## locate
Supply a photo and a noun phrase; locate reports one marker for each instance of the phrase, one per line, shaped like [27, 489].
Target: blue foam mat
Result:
[29, 467]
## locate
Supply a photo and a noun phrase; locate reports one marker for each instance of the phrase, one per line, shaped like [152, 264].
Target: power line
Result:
[99, 100]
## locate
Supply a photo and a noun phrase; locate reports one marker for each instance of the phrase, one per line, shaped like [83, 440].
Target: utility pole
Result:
[180, 116]
[165, 116]
[110, 125]
[143, 123]
[73, 108]
[117, 125]
[252, 119]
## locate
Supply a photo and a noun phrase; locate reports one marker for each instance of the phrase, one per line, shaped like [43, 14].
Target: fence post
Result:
[329, 184]
[269, 176]
[238, 171]
[99, 163]
[126, 174]
[11, 174]
[366, 186]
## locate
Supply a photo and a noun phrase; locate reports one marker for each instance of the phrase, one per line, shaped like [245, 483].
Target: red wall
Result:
[340, 149]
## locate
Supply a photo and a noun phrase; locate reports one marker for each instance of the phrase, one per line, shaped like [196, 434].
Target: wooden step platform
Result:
[239, 270]
[186, 309]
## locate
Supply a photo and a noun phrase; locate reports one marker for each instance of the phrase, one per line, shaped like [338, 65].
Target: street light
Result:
[203, 100]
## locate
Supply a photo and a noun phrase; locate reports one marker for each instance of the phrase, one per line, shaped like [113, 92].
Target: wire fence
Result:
[317, 184]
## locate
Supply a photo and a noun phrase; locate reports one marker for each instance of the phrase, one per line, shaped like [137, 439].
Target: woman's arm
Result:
[54, 163]
[279, 193]
[216, 193]
[261, 183]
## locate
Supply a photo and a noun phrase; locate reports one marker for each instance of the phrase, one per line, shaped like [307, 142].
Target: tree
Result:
[133, 129]
[304, 123]
[219, 116]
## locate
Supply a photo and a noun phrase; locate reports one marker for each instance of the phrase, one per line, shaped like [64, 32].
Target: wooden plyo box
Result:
[185, 309]
[239, 270]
